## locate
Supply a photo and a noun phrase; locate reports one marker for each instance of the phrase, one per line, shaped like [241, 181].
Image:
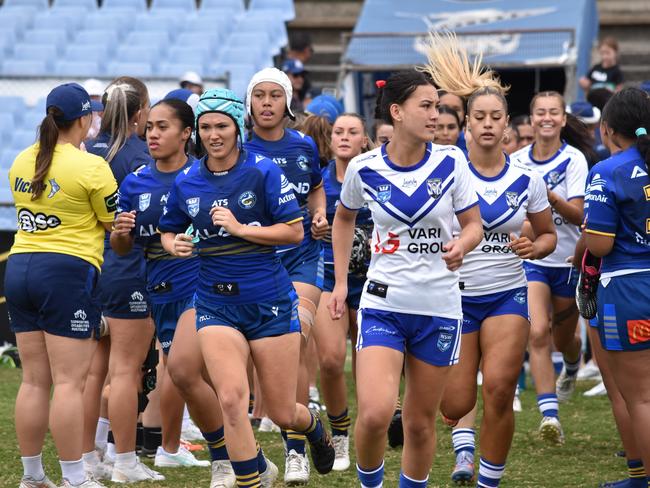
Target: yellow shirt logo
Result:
[646, 189]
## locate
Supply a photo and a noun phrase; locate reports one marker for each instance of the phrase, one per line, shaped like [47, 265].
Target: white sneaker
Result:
[137, 472]
[597, 390]
[268, 477]
[589, 372]
[99, 471]
[29, 482]
[565, 386]
[182, 459]
[267, 425]
[516, 401]
[551, 431]
[191, 432]
[223, 475]
[88, 483]
[342, 452]
[296, 469]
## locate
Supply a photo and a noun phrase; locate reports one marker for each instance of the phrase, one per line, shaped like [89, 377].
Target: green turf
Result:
[587, 458]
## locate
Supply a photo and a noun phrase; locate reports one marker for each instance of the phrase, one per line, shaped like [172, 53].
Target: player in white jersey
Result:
[492, 280]
[410, 308]
[552, 281]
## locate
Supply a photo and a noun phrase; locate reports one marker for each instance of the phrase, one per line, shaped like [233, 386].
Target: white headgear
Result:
[272, 75]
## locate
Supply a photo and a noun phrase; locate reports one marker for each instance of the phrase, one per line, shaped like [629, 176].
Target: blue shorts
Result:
[54, 293]
[477, 309]
[165, 316]
[624, 313]
[561, 281]
[305, 263]
[253, 320]
[434, 340]
[122, 287]
[355, 286]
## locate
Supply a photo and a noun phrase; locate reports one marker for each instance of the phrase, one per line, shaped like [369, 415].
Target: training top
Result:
[413, 210]
[146, 191]
[618, 205]
[505, 200]
[80, 193]
[332, 188]
[297, 155]
[565, 173]
[234, 270]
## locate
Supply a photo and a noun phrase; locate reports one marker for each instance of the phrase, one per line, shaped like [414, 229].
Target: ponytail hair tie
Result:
[380, 83]
[641, 132]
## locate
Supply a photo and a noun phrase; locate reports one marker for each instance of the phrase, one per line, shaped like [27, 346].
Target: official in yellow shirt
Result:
[65, 200]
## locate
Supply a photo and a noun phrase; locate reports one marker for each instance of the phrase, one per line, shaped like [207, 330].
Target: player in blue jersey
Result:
[122, 288]
[268, 98]
[410, 309]
[349, 139]
[617, 228]
[172, 284]
[552, 280]
[492, 278]
[240, 206]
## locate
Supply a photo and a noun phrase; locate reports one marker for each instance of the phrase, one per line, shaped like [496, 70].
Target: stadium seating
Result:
[39, 4]
[17, 67]
[176, 4]
[137, 69]
[22, 138]
[285, 8]
[54, 37]
[77, 68]
[214, 5]
[125, 4]
[85, 4]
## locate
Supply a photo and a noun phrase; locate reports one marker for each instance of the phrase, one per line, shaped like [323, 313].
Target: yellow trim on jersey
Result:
[317, 186]
[294, 221]
[607, 234]
[646, 190]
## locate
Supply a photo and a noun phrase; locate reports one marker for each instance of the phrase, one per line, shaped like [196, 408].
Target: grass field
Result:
[587, 458]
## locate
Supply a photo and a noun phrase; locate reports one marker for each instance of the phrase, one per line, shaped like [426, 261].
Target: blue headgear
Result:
[222, 101]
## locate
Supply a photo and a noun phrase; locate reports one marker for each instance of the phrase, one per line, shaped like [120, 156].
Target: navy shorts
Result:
[122, 286]
[253, 320]
[54, 293]
[434, 340]
[305, 263]
[624, 312]
[165, 316]
[477, 309]
[561, 281]
[355, 286]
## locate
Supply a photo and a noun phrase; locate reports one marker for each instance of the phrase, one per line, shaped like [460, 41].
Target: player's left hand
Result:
[454, 253]
[319, 226]
[222, 216]
[522, 246]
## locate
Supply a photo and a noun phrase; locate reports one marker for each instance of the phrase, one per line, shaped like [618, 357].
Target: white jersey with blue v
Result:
[413, 210]
[565, 174]
[504, 200]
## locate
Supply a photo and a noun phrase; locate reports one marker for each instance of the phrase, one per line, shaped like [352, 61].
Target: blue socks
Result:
[246, 472]
[572, 368]
[548, 405]
[295, 441]
[372, 478]
[463, 440]
[489, 474]
[216, 444]
[406, 482]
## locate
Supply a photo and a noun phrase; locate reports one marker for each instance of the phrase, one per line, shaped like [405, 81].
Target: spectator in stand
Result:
[606, 74]
[300, 49]
[192, 81]
[295, 70]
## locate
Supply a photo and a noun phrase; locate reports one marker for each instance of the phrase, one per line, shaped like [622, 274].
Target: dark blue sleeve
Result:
[316, 174]
[124, 195]
[281, 202]
[174, 219]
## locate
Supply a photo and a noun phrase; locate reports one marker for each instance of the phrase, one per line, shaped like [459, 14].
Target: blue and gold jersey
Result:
[233, 270]
[332, 188]
[618, 205]
[297, 155]
[146, 191]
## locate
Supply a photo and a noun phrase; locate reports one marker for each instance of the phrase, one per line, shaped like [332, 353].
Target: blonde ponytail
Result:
[449, 67]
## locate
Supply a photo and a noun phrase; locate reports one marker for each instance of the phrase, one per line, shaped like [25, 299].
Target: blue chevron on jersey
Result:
[556, 175]
[502, 209]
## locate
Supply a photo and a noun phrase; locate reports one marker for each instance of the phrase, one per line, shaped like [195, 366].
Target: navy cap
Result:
[325, 106]
[585, 111]
[645, 86]
[293, 66]
[71, 99]
[96, 106]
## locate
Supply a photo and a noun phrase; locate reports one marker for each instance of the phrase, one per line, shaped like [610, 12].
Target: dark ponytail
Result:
[48, 135]
[578, 135]
[627, 112]
[396, 90]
